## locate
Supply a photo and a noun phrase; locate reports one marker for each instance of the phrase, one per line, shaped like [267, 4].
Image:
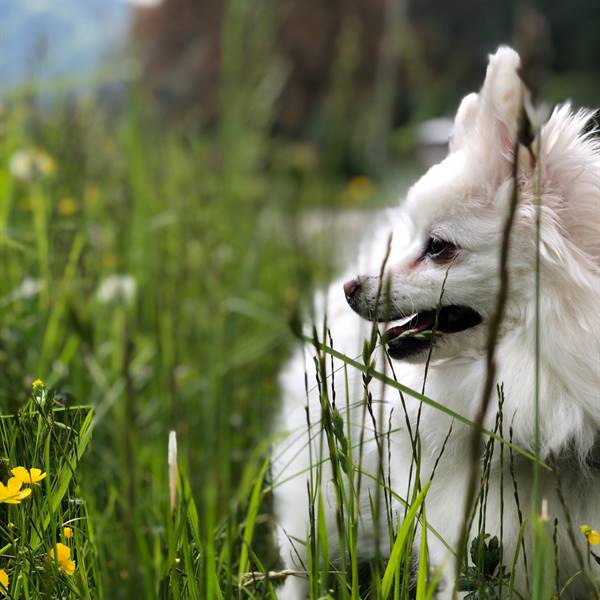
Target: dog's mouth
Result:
[421, 331]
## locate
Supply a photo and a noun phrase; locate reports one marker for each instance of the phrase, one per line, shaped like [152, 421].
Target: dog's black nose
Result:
[350, 287]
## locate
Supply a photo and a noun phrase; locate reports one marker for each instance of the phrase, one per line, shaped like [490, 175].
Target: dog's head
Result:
[443, 265]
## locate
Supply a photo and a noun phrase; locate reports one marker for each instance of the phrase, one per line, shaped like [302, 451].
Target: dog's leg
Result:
[294, 588]
[291, 507]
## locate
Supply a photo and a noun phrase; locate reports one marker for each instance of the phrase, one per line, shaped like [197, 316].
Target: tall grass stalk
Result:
[205, 222]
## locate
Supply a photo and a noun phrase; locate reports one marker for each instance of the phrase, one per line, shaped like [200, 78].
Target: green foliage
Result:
[152, 279]
[149, 276]
[48, 435]
[482, 580]
[405, 532]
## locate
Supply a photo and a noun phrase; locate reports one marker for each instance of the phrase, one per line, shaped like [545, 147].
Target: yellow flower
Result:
[592, 536]
[91, 195]
[62, 555]
[109, 261]
[67, 206]
[11, 493]
[24, 475]
[67, 532]
[3, 581]
[37, 387]
[359, 188]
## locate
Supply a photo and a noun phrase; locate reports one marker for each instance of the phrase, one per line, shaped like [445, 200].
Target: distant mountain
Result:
[44, 39]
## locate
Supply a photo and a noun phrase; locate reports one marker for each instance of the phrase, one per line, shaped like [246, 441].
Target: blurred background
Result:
[173, 177]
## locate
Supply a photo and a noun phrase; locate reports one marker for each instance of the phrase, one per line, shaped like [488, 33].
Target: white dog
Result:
[447, 235]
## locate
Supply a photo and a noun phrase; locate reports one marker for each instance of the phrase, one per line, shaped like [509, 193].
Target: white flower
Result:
[544, 516]
[31, 163]
[117, 288]
[28, 288]
[172, 461]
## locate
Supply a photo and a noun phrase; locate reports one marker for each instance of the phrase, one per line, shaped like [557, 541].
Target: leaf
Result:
[398, 547]
[423, 563]
[342, 442]
[251, 515]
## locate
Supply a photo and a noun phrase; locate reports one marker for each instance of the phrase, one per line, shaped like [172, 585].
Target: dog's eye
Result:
[440, 249]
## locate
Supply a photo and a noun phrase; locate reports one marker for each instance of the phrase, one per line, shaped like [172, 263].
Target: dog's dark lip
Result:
[419, 332]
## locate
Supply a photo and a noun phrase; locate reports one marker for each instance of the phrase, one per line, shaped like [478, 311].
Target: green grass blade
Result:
[397, 552]
[423, 398]
[250, 521]
[423, 565]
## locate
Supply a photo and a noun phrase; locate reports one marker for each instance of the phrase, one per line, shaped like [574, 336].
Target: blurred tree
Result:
[180, 51]
[397, 61]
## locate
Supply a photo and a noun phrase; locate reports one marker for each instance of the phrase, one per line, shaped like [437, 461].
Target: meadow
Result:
[153, 281]
[150, 277]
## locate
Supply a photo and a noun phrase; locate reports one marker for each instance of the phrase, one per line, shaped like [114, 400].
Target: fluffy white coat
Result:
[465, 199]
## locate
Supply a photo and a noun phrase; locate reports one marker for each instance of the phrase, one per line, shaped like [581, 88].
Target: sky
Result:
[61, 39]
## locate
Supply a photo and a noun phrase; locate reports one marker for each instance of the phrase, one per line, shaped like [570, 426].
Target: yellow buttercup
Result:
[592, 536]
[29, 476]
[3, 581]
[62, 555]
[11, 493]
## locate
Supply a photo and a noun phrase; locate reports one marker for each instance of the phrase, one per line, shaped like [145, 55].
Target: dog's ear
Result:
[465, 121]
[500, 110]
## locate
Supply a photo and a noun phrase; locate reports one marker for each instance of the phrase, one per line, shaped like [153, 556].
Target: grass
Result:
[189, 337]
[147, 273]
[199, 238]
[152, 278]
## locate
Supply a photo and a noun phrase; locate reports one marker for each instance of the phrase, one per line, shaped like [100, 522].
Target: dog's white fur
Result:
[465, 199]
